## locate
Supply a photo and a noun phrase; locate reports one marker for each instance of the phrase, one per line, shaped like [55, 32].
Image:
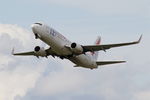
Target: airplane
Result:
[59, 46]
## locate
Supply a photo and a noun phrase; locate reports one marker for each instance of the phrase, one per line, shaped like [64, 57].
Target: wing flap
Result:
[108, 62]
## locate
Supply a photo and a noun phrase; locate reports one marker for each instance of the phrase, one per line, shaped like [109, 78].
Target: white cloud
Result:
[17, 76]
[17, 82]
[5, 60]
[60, 82]
[16, 32]
[144, 95]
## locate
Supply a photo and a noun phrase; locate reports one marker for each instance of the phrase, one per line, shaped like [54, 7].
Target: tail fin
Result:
[97, 42]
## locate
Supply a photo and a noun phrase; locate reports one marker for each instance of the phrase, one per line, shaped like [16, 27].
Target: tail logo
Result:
[97, 42]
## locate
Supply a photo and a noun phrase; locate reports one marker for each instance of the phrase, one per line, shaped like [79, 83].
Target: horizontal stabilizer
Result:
[108, 62]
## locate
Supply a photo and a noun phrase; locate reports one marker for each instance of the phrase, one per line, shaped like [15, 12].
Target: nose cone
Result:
[32, 25]
[37, 29]
[34, 28]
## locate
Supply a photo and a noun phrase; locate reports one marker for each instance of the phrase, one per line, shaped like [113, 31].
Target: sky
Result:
[81, 21]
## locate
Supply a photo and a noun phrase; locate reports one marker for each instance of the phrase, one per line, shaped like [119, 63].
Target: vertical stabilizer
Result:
[97, 42]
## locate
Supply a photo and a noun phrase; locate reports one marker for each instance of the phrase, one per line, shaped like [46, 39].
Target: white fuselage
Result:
[58, 44]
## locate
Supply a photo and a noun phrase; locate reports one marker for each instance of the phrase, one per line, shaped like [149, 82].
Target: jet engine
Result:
[76, 48]
[40, 51]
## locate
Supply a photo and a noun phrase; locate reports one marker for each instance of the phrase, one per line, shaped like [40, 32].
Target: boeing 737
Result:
[81, 55]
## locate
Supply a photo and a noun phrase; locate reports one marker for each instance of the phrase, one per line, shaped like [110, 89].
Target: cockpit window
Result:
[38, 24]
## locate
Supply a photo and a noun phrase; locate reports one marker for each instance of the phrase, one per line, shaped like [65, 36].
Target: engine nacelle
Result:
[40, 51]
[76, 48]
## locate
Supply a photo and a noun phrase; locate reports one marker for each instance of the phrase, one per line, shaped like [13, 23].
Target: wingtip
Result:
[140, 39]
[12, 52]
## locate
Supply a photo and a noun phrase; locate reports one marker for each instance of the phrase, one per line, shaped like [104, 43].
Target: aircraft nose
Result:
[35, 25]
[32, 25]
[34, 28]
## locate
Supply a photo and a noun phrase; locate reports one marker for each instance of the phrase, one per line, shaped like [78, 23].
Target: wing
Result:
[33, 53]
[108, 46]
[108, 62]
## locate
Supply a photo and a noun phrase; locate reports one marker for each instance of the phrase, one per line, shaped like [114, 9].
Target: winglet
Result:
[12, 52]
[140, 39]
